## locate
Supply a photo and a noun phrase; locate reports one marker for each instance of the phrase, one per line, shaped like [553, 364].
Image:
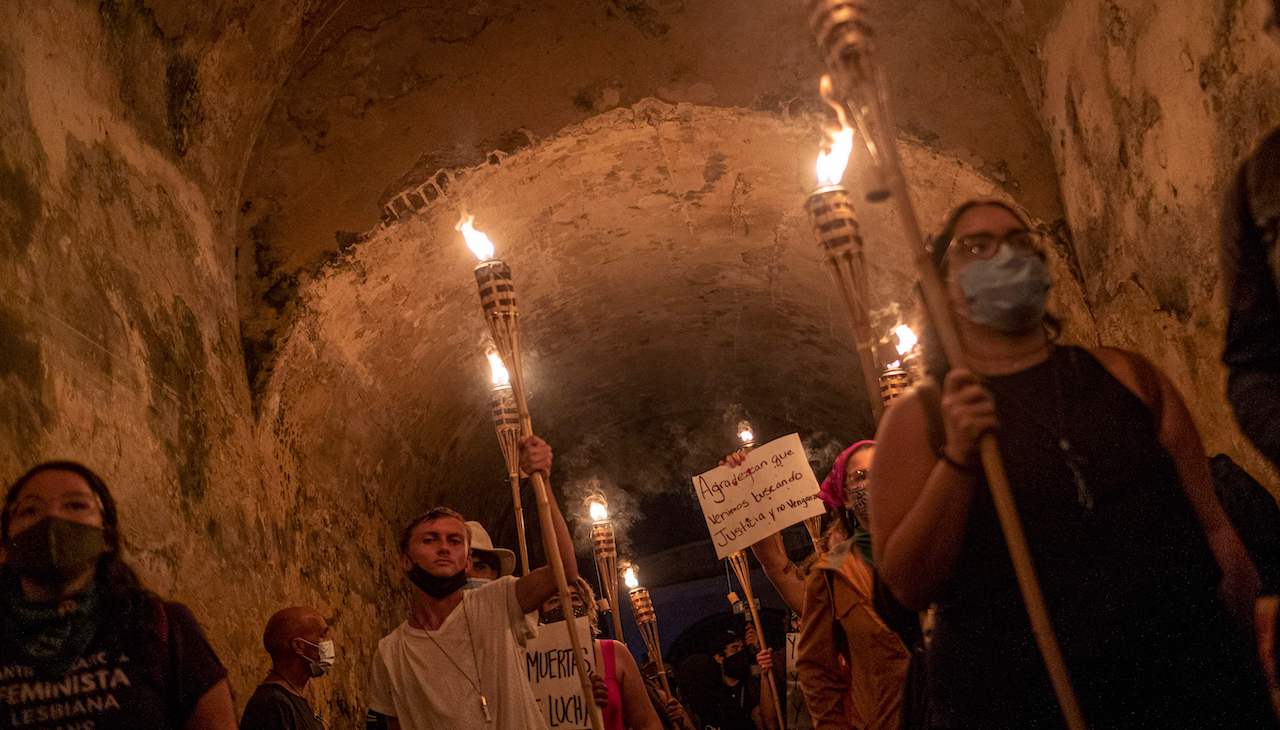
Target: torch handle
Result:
[939, 309]
[845, 276]
[519, 510]
[740, 566]
[552, 547]
[506, 336]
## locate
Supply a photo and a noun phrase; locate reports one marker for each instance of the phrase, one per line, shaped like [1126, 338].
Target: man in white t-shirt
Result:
[452, 663]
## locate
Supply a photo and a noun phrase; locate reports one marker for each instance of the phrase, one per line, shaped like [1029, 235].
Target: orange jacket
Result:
[862, 686]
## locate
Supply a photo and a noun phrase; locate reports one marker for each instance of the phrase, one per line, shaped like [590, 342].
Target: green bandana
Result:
[52, 636]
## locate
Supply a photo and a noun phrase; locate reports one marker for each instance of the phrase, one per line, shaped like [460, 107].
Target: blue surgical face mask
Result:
[1006, 292]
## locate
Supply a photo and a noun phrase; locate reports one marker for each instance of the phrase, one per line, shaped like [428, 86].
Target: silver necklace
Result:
[475, 660]
[1075, 461]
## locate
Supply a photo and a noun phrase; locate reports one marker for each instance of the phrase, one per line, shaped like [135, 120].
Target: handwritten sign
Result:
[553, 674]
[772, 490]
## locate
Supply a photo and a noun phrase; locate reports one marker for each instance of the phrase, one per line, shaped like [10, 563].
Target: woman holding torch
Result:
[1148, 586]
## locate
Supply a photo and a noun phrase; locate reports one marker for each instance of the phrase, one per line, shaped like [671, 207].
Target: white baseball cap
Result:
[481, 542]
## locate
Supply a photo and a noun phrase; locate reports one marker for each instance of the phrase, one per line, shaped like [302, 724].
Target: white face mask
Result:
[326, 654]
[476, 583]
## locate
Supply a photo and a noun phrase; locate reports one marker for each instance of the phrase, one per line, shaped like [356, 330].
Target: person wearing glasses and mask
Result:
[297, 639]
[82, 643]
[1149, 588]
[852, 666]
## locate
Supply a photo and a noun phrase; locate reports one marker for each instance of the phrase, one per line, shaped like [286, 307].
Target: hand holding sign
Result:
[770, 489]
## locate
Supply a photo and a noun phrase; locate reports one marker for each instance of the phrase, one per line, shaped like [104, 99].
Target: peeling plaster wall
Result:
[126, 127]
[1150, 106]
[669, 284]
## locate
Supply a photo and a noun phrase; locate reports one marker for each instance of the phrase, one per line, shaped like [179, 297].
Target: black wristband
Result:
[969, 469]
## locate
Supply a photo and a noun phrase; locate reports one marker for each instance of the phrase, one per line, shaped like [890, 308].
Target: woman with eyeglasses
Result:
[82, 642]
[852, 665]
[1149, 589]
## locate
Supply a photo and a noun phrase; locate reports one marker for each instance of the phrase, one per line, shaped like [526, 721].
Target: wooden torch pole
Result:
[844, 34]
[506, 421]
[742, 569]
[498, 298]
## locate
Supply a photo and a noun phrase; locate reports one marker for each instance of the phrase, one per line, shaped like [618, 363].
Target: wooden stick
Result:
[520, 534]
[742, 569]
[497, 298]
[506, 422]
[844, 33]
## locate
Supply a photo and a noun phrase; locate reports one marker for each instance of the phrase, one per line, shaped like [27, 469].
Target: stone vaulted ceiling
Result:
[644, 165]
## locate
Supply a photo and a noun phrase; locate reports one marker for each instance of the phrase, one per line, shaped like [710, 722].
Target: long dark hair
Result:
[126, 602]
[936, 364]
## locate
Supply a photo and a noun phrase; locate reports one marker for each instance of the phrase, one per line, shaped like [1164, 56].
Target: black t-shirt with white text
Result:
[112, 687]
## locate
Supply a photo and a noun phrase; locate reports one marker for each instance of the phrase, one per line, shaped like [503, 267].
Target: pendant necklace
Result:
[475, 658]
[1074, 461]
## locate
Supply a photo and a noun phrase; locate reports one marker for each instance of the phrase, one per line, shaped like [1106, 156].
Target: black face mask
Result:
[737, 666]
[55, 551]
[434, 585]
[557, 614]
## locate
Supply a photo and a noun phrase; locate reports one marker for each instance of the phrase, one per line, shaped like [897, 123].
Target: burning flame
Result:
[598, 508]
[630, 578]
[906, 339]
[477, 241]
[833, 160]
[498, 371]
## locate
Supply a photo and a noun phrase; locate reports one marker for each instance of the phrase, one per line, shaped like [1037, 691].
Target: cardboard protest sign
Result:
[553, 674]
[772, 490]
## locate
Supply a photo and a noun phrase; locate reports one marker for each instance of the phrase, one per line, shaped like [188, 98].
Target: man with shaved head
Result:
[297, 639]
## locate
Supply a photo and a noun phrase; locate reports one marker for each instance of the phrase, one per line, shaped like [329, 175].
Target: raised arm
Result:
[919, 502]
[540, 584]
[782, 573]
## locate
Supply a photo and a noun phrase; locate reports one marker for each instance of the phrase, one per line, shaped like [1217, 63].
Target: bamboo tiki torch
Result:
[738, 559]
[498, 301]
[845, 35]
[901, 374]
[605, 548]
[835, 225]
[646, 620]
[506, 421]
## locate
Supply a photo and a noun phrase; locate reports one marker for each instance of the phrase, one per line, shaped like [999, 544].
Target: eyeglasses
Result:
[985, 245]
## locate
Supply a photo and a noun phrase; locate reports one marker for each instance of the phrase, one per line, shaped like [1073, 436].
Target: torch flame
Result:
[477, 241]
[833, 160]
[630, 578]
[746, 436]
[906, 339]
[598, 508]
[498, 371]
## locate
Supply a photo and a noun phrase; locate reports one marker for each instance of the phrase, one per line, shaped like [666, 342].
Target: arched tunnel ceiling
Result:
[669, 284]
[385, 93]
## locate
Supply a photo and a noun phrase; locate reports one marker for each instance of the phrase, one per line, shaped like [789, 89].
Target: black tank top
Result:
[1126, 571]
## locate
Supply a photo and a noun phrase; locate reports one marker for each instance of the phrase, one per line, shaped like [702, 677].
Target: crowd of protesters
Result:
[1160, 568]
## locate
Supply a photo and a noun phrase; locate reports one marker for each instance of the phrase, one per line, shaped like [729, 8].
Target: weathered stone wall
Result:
[1149, 107]
[125, 130]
